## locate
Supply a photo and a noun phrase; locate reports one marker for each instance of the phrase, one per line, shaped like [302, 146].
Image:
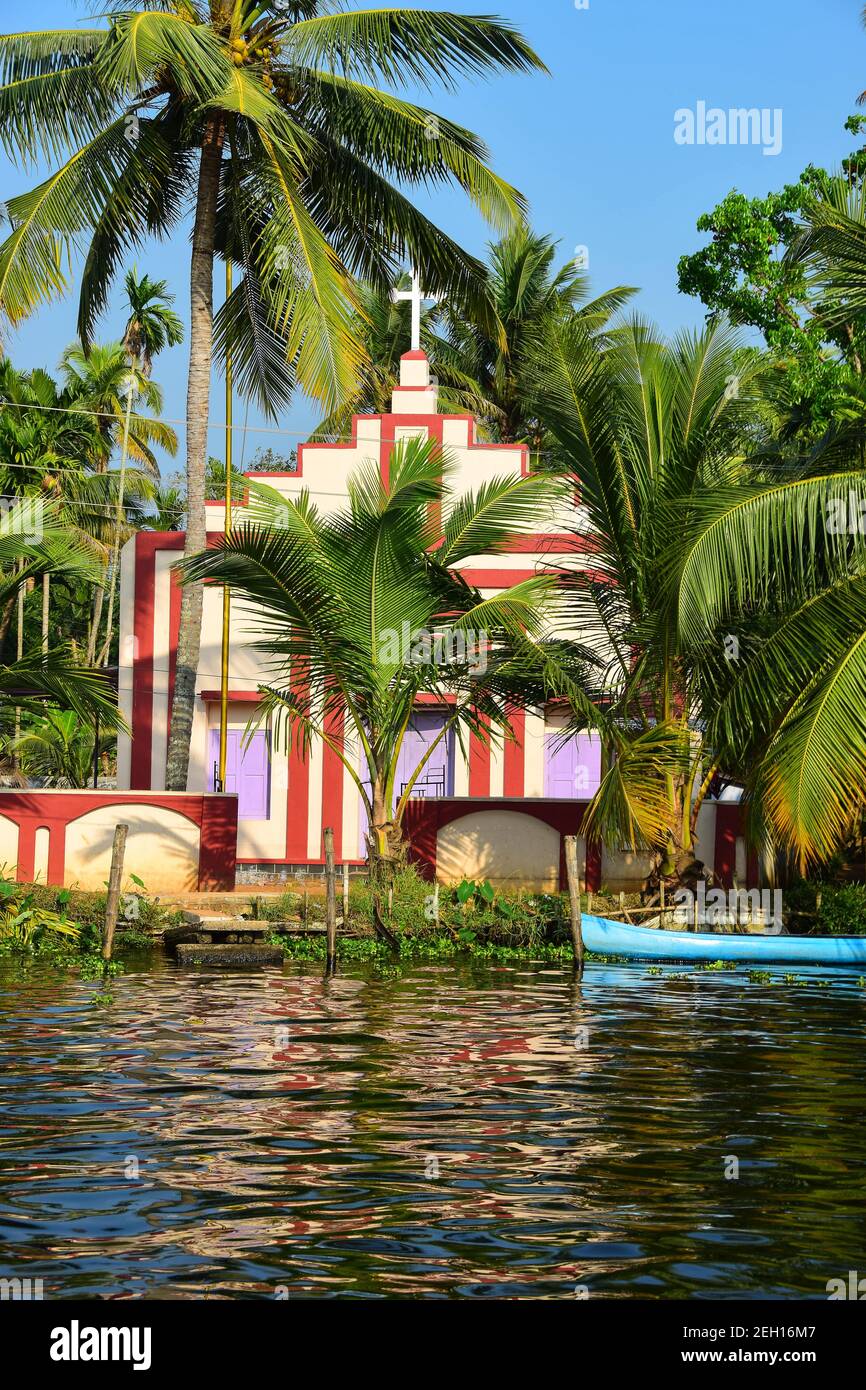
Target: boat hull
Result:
[608, 938]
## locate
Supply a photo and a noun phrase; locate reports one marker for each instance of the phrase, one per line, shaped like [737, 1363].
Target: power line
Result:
[254, 429]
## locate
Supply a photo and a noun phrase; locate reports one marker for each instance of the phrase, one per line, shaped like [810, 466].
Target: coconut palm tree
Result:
[170, 508]
[266, 118]
[790, 553]
[98, 382]
[650, 429]
[56, 751]
[151, 326]
[365, 612]
[527, 292]
[47, 445]
[34, 538]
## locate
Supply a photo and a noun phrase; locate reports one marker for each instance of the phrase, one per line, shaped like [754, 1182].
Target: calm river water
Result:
[439, 1132]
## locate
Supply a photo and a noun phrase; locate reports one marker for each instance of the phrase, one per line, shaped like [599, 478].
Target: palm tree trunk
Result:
[19, 653]
[115, 565]
[46, 601]
[95, 623]
[380, 867]
[197, 407]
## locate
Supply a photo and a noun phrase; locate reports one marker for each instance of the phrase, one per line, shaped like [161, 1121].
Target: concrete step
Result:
[228, 953]
[213, 920]
[214, 930]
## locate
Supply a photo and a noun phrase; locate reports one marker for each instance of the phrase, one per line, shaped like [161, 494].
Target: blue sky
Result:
[592, 146]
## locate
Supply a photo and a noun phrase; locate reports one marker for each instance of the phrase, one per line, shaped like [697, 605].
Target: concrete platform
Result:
[228, 954]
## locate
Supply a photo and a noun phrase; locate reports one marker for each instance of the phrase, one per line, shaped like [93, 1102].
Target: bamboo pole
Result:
[331, 899]
[345, 896]
[574, 899]
[115, 878]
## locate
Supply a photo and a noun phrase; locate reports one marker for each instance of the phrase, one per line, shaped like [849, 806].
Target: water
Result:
[431, 1133]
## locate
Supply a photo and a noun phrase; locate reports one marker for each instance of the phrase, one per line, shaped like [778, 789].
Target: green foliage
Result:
[748, 273]
[24, 922]
[56, 750]
[842, 911]
[309, 145]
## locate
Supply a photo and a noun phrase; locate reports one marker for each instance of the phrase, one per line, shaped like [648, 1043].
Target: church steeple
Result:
[417, 393]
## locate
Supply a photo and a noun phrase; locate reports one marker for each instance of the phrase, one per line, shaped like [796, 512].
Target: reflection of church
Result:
[286, 799]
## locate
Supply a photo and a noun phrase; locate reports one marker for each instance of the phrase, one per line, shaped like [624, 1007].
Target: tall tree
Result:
[528, 293]
[266, 117]
[747, 274]
[100, 382]
[650, 429]
[151, 326]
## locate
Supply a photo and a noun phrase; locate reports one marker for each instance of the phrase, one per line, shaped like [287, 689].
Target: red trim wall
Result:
[215, 816]
[479, 763]
[424, 819]
[514, 755]
[147, 544]
[332, 782]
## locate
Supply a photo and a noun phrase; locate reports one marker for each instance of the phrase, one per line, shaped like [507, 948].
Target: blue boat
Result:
[608, 938]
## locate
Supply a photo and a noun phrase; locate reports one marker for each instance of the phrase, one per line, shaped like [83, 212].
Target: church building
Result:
[286, 798]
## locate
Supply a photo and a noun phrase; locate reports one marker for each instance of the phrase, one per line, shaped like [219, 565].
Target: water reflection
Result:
[451, 1131]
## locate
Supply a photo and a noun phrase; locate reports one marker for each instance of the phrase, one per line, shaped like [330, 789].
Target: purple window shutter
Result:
[438, 772]
[247, 771]
[572, 769]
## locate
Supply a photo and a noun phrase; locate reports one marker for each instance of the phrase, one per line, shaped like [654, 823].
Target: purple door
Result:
[248, 768]
[572, 769]
[437, 776]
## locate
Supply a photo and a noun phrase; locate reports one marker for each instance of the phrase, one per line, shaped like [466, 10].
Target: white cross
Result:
[416, 297]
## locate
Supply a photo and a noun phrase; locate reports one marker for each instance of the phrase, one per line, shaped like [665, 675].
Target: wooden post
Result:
[574, 897]
[345, 896]
[331, 898]
[115, 878]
